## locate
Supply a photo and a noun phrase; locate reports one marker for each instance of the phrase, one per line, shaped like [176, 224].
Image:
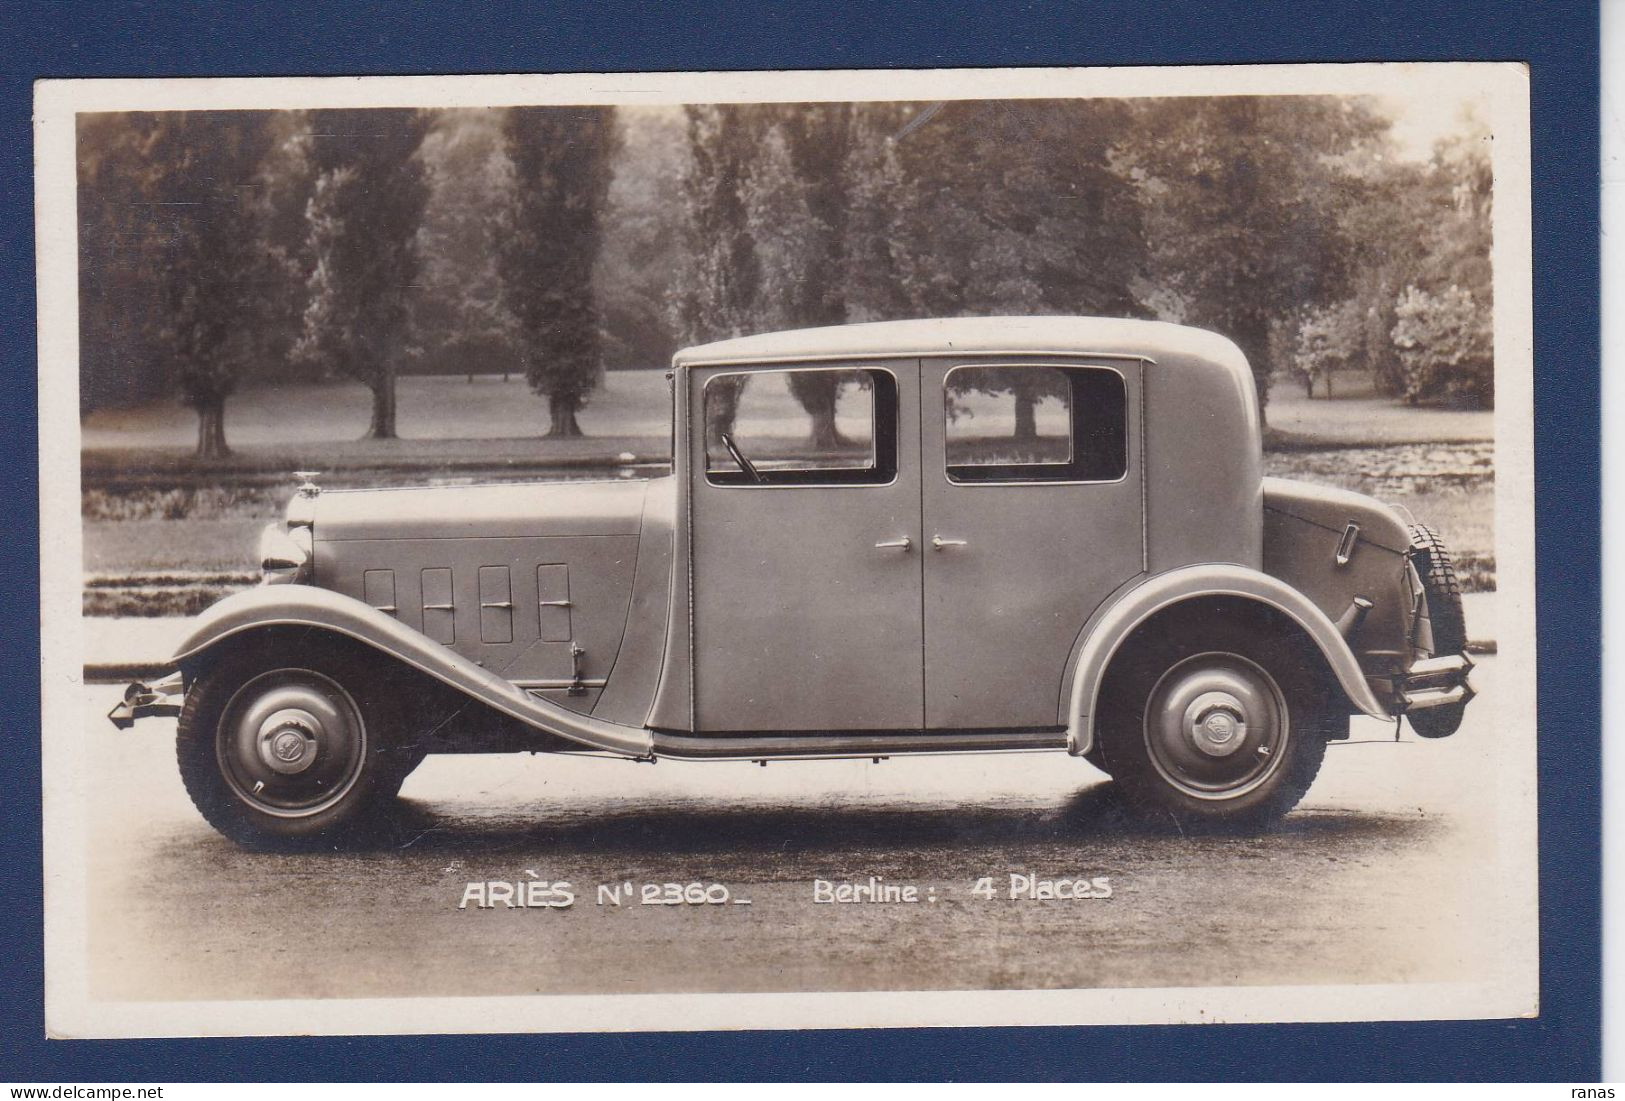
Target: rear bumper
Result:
[160, 698]
[1436, 682]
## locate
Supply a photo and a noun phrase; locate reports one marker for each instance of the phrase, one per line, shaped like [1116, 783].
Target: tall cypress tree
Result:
[720, 298]
[562, 160]
[176, 253]
[364, 217]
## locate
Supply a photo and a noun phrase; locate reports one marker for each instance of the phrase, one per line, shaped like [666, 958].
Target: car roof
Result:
[1107, 337]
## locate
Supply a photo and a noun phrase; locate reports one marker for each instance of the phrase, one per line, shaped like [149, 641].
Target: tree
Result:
[1241, 195]
[461, 318]
[562, 158]
[363, 218]
[1444, 323]
[1018, 207]
[797, 198]
[119, 254]
[1446, 342]
[719, 298]
[1329, 339]
[643, 255]
[176, 234]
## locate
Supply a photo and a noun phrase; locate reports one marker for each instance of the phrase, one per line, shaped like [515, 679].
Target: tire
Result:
[284, 747]
[1225, 725]
[1442, 590]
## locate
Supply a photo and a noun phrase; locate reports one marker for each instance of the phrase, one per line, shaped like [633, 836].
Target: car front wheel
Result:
[285, 750]
[1223, 727]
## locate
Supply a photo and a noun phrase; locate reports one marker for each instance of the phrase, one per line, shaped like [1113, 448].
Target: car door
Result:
[1032, 514]
[805, 499]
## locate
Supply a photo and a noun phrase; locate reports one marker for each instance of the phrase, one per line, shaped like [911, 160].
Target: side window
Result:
[808, 426]
[1035, 423]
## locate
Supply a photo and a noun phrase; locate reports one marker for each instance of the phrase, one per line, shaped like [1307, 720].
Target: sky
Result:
[1420, 121]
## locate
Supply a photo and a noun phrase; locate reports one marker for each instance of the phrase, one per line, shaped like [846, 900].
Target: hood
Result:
[484, 511]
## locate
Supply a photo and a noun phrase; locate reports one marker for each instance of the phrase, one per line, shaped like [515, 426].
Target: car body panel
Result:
[517, 510]
[532, 581]
[1029, 562]
[1204, 458]
[1117, 623]
[629, 694]
[1308, 543]
[305, 606]
[803, 622]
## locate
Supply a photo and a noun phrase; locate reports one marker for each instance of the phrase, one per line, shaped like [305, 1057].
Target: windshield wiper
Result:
[738, 456]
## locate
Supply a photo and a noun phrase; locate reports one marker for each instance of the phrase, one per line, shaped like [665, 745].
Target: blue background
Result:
[1557, 39]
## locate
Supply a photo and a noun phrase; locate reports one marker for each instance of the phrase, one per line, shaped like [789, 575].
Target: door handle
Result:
[902, 544]
[938, 542]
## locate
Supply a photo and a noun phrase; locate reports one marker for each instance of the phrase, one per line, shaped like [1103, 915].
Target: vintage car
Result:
[946, 536]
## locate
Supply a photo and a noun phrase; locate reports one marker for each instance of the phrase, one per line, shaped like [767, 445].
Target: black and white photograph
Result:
[760, 550]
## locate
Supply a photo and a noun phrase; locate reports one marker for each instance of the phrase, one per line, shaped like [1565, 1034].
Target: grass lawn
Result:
[448, 409]
[1358, 417]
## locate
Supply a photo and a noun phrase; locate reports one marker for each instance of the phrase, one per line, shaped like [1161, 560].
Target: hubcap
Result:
[288, 742]
[1216, 725]
[291, 743]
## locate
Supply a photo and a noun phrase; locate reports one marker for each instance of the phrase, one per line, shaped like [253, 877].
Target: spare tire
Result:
[1442, 590]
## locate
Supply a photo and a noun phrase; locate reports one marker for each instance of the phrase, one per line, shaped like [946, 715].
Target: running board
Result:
[757, 747]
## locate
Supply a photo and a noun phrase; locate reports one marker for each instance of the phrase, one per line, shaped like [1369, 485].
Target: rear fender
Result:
[1118, 623]
[324, 610]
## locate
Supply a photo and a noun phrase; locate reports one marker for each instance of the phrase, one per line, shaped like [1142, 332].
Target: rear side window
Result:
[1036, 423]
[806, 426]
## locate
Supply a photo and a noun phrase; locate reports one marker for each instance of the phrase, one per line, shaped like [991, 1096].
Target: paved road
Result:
[1377, 878]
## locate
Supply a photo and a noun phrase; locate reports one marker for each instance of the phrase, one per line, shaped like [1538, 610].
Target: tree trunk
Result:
[211, 430]
[562, 413]
[383, 408]
[721, 405]
[1328, 386]
[825, 435]
[1308, 385]
[817, 392]
[1026, 420]
[1251, 332]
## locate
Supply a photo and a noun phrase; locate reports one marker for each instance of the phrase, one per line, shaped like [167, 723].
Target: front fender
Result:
[1143, 601]
[322, 609]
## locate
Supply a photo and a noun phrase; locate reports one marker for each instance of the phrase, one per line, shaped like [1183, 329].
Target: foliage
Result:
[460, 314]
[1241, 195]
[818, 214]
[562, 159]
[1329, 339]
[363, 220]
[1018, 207]
[462, 241]
[178, 257]
[1446, 346]
[643, 256]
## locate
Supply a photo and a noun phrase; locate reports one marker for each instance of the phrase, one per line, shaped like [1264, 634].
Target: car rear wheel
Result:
[1222, 726]
[279, 749]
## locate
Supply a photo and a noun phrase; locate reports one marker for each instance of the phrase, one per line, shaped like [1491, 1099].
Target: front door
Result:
[1032, 515]
[805, 486]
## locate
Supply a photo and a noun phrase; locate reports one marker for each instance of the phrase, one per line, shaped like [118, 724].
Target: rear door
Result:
[806, 548]
[1032, 514]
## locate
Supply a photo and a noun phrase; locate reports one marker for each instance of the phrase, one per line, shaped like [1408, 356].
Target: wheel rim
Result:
[291, 743]
[1216, 726]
